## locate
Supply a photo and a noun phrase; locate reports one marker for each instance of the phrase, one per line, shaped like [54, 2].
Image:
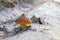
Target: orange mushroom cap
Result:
[23, 20]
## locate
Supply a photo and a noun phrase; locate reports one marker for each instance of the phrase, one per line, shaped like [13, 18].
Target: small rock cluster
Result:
[36, 20]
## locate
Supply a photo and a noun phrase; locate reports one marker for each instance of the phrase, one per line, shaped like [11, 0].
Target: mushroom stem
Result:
[23, 26]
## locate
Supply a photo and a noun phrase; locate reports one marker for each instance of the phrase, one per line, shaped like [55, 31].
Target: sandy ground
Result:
[50, 16]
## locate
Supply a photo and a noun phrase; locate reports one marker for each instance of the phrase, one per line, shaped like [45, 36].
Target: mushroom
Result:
[23, 21]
